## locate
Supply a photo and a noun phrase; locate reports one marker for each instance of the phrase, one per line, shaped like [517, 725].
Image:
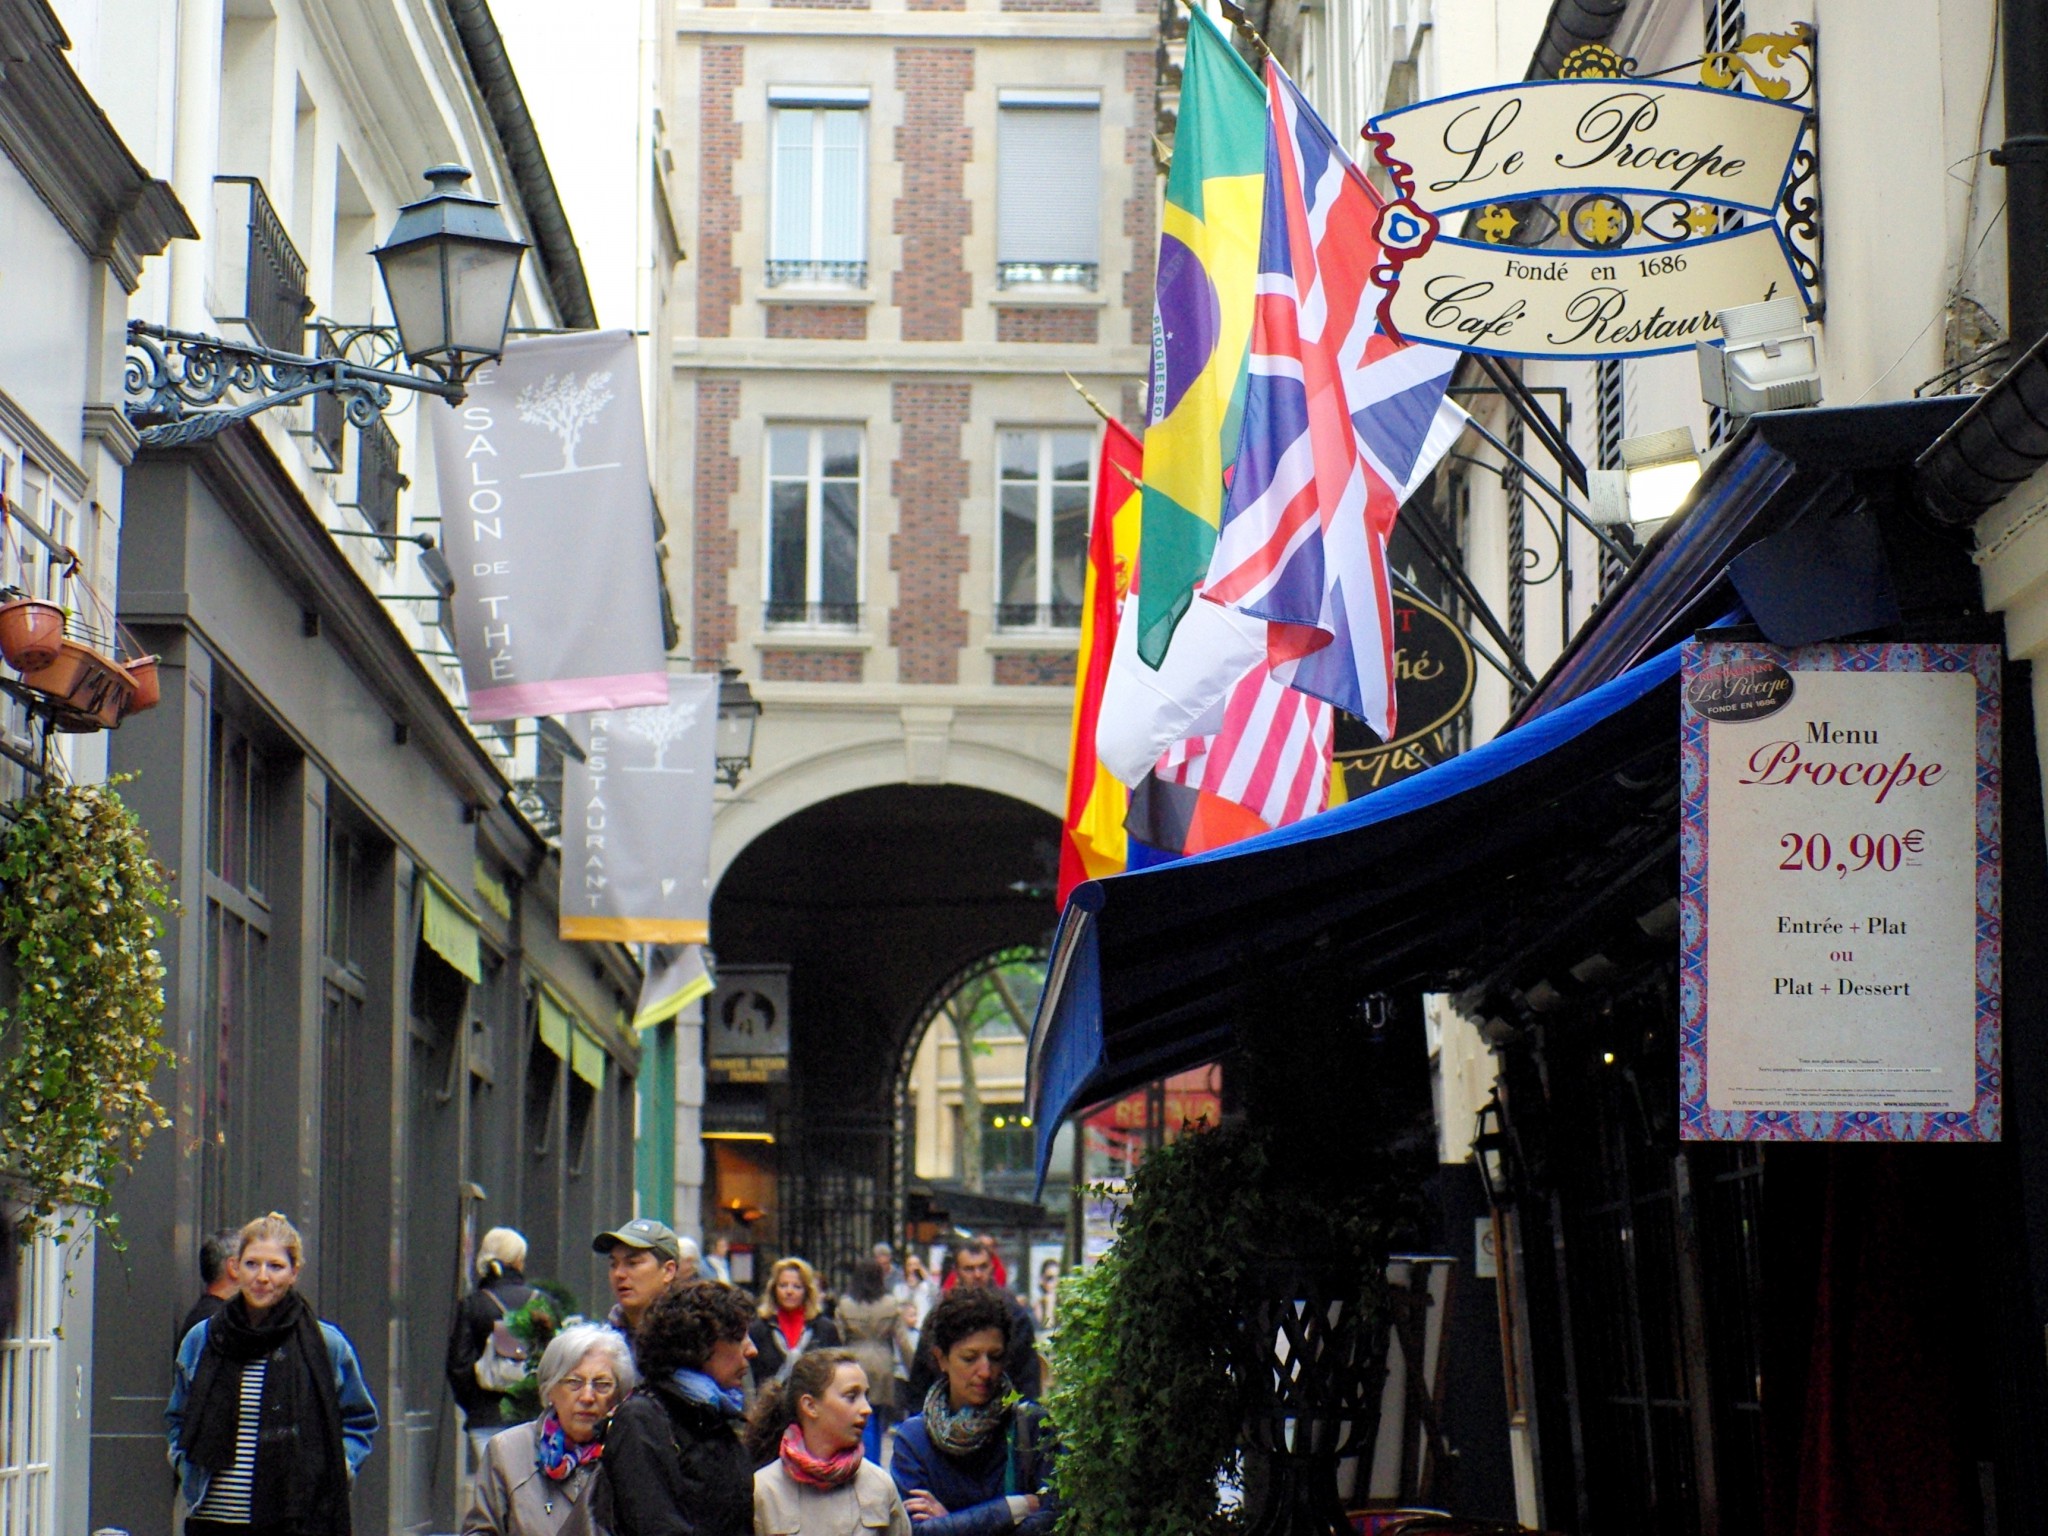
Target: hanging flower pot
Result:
[31, 631]
[147, 689]
[90, 691]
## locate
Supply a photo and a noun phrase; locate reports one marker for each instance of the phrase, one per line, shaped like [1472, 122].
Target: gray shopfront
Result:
[377, 1030]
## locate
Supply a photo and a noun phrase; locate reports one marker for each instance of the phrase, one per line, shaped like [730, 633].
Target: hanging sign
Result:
[636, 819]
[1839, 893]
[1537, 138]
[1434, 671]
[548, 526]
[746, 1025]
[1511, 301]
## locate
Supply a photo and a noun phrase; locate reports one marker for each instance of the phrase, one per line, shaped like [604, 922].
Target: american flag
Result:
[1341, 423]
[1269, 752]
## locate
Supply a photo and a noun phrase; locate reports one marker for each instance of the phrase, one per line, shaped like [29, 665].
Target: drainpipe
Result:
[2024, 155]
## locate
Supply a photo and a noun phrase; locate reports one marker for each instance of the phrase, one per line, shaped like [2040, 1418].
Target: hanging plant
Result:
[81, 1039]
[1148, 1407]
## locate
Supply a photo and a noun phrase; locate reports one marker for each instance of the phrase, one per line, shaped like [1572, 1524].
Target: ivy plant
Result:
[1147, 1406]
[81, 1039]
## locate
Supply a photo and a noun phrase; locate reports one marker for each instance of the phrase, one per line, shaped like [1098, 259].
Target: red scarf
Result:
[830, 1472]
[791, 1324]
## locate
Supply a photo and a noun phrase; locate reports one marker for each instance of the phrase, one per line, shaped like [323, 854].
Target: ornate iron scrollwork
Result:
[178, 383]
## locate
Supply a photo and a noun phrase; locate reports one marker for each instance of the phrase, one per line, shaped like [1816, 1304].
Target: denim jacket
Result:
[358, 1408]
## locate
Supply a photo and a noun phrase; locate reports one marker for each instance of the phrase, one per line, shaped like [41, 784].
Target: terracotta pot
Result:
[148, 688]
[89, 690]
[31, 631]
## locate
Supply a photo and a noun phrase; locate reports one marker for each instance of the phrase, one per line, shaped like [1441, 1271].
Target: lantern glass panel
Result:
[413, 280]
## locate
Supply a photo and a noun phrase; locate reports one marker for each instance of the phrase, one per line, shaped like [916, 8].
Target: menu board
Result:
[1839, 892]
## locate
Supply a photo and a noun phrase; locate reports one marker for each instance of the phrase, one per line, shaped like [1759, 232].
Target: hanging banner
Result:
[1515, 302]
[636, 819]
[672, 976]
[548, 526]
[746, 1025]
[1537, 138]
[1839, 893]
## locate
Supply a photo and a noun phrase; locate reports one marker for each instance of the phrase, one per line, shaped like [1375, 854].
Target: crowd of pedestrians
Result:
[906, 1405]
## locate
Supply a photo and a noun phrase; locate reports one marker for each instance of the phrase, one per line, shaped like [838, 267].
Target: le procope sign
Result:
[1839, 893]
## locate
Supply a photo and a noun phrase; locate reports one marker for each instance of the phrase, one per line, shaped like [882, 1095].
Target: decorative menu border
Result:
[1697, 1121]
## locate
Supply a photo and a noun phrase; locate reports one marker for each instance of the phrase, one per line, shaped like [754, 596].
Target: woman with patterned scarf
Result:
[673, 1454]
[973, 1462]
[808, 1430]
[546, 1478]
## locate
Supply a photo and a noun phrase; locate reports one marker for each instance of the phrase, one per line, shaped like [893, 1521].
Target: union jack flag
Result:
[1341, 423]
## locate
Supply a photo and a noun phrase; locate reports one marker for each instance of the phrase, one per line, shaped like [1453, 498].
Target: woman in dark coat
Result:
[973, 1462]
[501, 1290]
[792, 1320]
[673, 1453]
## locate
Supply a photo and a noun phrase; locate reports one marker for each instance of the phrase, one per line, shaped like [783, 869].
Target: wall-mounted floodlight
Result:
[1766, 360]
[1657, 474]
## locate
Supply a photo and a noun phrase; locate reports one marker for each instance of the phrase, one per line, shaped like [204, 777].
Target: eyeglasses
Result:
[603, 1386]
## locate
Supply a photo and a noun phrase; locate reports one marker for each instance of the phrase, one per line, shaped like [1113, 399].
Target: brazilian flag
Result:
[1201, 324]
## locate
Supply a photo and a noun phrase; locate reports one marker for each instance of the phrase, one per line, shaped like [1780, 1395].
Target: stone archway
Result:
[872, 898]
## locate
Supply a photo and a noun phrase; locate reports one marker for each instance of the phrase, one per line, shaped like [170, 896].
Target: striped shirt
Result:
[230, 1492]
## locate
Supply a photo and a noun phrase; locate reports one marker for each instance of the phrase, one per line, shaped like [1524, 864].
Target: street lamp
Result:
[451, 268]
[738, 709]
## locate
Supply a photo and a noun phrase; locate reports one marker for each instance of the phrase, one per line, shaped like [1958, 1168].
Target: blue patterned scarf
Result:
[700, 1388]
[557, 1454]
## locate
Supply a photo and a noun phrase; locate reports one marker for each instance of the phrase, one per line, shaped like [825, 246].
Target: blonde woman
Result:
[547, 1478]
[790, 1321]
[501, 1290]
[265, 1369]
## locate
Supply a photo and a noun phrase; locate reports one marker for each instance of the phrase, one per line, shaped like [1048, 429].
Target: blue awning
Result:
[1149, 969]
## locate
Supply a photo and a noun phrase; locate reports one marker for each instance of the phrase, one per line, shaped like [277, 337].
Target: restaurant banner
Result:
[1511, 301]
[548, 527]
[1538, 138]
[1839, 893]
[636, 819]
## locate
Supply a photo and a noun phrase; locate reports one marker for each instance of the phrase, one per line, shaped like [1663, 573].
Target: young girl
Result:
[818, 1482]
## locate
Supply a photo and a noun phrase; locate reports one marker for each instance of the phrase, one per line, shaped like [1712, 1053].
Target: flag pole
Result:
[1094, 404]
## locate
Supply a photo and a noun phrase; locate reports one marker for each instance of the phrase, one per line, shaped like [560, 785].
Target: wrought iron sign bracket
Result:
[178, 383]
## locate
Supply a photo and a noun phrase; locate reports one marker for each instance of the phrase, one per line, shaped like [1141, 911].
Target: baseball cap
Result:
[645, 1232]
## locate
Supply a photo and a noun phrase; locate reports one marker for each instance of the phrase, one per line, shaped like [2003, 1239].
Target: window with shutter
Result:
[1048, 199]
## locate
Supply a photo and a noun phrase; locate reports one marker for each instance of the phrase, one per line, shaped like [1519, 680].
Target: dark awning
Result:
[1433, 882]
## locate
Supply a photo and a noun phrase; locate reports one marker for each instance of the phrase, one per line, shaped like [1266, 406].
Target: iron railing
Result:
[841, 274]
[1026, 274]
[273, 275]
[1038, 615]
[812, 615]
[378, 479]
[330, 411]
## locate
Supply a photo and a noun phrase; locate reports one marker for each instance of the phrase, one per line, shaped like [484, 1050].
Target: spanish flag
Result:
[1093, 844]
[1201, 324]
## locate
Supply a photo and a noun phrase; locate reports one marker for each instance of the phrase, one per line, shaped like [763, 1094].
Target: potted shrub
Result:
[31, 631]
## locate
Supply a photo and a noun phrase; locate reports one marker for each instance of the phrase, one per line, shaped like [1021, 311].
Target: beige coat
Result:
[513, 1499]
[785, 1507]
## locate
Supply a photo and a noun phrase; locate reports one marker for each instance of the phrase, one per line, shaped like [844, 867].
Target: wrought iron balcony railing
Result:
[260, 273]
[811, 615]
[1028, 274]
[1038, 615]
[378, 479]
[329, 411]
[838, 274]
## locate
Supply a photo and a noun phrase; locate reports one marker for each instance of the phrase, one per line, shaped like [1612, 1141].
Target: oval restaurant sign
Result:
[1434, 670]
[1647, 157]
[1839, 893]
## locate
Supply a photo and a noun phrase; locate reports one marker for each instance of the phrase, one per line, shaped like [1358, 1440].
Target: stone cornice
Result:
[57, 134]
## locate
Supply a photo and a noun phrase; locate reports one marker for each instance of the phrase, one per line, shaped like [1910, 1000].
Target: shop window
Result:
[814, 518]
[1043, 499]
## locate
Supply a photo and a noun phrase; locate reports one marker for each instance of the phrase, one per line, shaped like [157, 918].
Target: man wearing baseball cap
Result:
[644, 1257]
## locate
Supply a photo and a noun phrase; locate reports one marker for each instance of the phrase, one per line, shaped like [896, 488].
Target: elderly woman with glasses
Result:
[544, 1478]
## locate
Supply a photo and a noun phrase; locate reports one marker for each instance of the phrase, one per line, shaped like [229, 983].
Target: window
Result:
[818, 230]
[1043, 512]
[813, 544]
[236, 1054]
[1048, 203]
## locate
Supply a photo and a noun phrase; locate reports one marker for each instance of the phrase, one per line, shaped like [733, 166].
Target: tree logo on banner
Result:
[660, 726]
[567, 408]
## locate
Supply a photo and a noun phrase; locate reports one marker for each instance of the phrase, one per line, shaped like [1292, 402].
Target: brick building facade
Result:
[904, 222]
